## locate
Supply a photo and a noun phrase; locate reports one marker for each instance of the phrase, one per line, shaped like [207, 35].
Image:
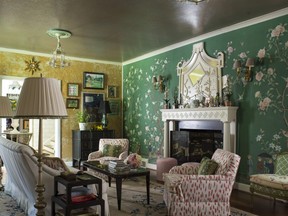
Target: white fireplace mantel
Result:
[227, 115]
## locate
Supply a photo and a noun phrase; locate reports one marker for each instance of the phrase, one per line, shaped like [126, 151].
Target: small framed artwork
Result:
[115, 107]
[73, 90]
[91, 103]
[26, 124]
[93, 80]
[112, 91]
[72, 103]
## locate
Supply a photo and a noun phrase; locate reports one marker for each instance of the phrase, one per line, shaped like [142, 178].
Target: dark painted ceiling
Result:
[119, 30]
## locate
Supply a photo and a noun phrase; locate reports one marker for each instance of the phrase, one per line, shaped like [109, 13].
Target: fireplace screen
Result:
[193, 145]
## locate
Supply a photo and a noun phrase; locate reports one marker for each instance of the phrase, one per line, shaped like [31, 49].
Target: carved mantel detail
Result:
[227, 115]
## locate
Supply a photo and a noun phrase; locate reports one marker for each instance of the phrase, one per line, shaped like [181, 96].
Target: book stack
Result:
[118, 166]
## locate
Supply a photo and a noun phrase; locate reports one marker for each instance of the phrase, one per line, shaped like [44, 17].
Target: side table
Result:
[65, 200]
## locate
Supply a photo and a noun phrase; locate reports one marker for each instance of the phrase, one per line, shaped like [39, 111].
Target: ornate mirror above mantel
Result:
[200, 76]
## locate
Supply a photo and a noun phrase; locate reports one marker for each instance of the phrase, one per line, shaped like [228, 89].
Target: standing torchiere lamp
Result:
[5, 112]
[104, 109]
[40, 98]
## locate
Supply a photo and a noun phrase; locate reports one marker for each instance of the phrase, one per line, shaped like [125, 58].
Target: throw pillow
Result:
[112, 150]
[207, 167]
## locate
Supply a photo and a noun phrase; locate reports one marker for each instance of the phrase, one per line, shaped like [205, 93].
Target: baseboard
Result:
[242, 187]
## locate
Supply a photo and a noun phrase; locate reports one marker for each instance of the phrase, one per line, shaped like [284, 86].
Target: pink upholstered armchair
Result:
[187, 193]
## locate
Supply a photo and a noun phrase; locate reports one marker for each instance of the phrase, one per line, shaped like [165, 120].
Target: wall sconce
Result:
[248, 72]
[158, 83]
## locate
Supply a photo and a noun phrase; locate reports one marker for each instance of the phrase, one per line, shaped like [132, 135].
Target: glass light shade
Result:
[237, 64]
[5, 107]
[250, 62]
[40, 98]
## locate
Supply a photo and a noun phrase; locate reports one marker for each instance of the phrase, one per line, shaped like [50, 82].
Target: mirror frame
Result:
[209, 84]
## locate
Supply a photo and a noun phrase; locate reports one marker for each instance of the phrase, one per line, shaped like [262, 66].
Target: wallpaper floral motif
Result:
[263, 102]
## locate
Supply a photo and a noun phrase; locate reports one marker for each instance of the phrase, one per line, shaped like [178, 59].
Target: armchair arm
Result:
[123, 155]
[55, 163]
[189, 169]
[94, 155]
[200, 188]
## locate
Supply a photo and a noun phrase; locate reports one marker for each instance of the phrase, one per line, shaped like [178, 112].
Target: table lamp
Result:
[40, 98]
[104, 108]
[5, 112]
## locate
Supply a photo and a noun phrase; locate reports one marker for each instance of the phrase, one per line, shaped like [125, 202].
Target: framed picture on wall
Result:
[72, 103]
[112, 91]
[115, 107]
[73, 90]
[93, 80]
[91, 103]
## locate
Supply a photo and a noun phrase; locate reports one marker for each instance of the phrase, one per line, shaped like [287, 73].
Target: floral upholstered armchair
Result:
[274, 185]
[110, 149]
[192, 189]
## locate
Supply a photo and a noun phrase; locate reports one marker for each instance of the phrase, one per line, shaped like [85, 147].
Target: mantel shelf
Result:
[227, 115]
[224, 114]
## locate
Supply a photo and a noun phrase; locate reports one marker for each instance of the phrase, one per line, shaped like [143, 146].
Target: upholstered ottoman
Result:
[163, 166]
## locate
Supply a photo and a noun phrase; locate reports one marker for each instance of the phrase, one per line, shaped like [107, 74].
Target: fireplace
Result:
[195, 139]
[217, 118]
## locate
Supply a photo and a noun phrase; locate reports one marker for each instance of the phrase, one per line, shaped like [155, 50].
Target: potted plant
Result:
[83, 119]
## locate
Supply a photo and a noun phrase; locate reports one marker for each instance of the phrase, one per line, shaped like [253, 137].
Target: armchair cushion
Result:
[112, 150]
[207, 167]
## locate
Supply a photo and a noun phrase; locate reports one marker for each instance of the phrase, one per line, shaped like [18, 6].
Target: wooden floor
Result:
[261, 206]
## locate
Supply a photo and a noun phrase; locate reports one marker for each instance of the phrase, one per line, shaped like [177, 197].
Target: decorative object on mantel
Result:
[32, 65]
[45, 102]
[200, 77]
[227, 90]
[58, 59]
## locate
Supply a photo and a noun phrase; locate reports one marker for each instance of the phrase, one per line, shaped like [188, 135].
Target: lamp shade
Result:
[5, 107]
[237, 64]
[40, 98]
[250, 62]
[104, 107]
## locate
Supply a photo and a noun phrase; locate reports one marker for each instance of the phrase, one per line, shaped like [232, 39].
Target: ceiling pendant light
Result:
[58, 58]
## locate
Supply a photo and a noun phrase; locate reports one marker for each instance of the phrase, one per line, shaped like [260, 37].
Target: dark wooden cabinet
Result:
[85, 142]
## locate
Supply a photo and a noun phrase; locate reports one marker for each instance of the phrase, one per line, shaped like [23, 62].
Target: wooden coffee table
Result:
[119, 176]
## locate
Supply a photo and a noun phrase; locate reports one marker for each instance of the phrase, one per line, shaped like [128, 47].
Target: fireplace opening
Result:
[196, 139]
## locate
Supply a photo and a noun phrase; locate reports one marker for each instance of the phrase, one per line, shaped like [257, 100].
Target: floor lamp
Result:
[40, 98]
[5, 112]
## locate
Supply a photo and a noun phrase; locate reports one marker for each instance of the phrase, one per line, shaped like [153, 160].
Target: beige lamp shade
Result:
[5, 107]
[40, 98]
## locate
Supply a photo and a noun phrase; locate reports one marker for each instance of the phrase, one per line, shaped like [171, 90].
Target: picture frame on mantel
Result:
[92, 80]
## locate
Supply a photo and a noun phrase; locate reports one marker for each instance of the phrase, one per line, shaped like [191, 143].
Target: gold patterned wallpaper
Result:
[13, 64]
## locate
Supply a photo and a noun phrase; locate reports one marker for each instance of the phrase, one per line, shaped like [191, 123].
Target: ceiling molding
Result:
[24, 52]
[234, 27]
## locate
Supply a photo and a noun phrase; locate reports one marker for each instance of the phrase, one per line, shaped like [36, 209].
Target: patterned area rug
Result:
[134, 201]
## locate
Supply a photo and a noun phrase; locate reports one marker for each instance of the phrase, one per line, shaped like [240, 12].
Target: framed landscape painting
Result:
[93, 80]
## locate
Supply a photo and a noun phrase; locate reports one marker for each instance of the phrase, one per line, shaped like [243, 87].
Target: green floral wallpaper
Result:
[262, 121]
